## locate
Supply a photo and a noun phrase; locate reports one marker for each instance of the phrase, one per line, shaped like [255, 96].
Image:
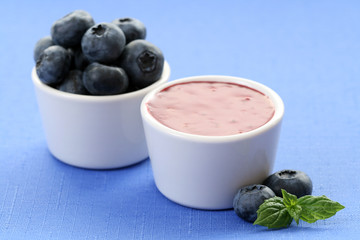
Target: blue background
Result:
[307, 51]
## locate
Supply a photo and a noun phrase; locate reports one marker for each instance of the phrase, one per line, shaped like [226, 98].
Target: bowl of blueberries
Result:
[90, 79]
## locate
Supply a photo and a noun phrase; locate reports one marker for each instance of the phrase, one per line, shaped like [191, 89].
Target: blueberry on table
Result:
[73, 83]
[53, 65]
[103, 43]
[248, 199]
[143, 62]
[132, 28]
[294, 182]
[101, 79]
[41, 45]
[69, 30]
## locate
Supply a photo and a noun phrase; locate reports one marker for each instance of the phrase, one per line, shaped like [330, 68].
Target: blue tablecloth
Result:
[307, 51]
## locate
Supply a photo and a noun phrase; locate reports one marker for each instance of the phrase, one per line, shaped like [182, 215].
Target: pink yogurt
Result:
[211, 108]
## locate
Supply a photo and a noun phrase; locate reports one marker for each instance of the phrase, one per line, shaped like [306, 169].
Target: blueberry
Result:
[143, 62]
[101, 79]
[248, 200]
[69, 30]
[41, 45]
[53, 65]
[71, 53]
[104, 43]
[294, 182]
[132, 28]
[80, 62]
[73, 83]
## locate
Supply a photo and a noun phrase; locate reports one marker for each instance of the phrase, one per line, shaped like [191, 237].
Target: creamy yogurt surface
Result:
[211, 108]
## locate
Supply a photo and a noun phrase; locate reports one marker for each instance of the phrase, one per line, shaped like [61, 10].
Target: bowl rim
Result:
[274, 121]
[93, 98]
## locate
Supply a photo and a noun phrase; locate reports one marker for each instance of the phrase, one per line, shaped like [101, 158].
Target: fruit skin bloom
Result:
[248, 199]
[103, 43]
[53, 65]
[100, 79]
[132, 28]
[41, 45]
[293, 181]
[143, 62]
[69, 30]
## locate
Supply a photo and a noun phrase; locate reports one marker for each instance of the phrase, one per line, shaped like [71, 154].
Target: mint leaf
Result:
[291, 203]
[273, 214]
[316, 208]
[288, 198]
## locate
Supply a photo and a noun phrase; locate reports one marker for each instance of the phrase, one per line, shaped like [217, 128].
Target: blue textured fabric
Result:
[307, 51]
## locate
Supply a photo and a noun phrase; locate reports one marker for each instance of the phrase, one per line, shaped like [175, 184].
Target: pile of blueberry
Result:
[82, 57]
[248, 199]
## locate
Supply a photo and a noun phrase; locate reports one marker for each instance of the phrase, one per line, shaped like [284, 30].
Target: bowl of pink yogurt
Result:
[207, 136]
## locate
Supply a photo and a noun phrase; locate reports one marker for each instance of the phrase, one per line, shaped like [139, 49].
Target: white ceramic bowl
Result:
[96, 132]
[206, 171]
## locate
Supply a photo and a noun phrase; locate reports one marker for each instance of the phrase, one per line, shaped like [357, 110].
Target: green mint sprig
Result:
[279, 212]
